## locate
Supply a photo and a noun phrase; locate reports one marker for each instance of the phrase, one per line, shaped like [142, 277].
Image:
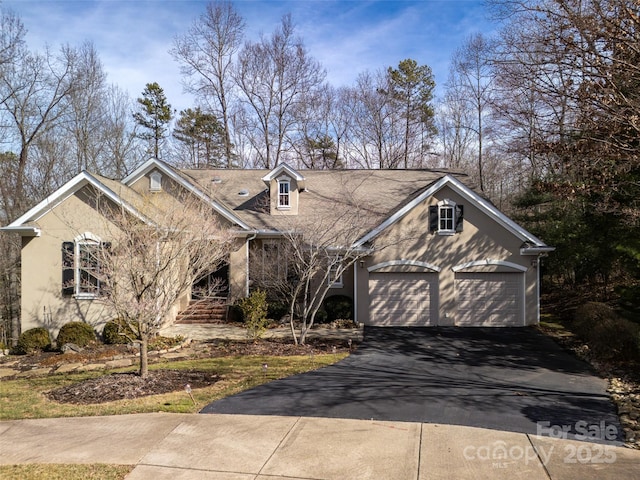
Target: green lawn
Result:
[24, 398]
[64, 472]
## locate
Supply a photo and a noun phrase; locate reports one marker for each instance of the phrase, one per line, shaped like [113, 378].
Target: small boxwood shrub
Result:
[277, 310]
[338, 307]
[321, 316]
[117, 332]
[607, 334]
[33, 340]
[78, 333]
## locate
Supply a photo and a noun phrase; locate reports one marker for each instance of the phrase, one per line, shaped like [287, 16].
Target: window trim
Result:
[450, 207]
[86, 239]
[272, 255]
[436, 218]
[284, 182]
[155, 181]
[332, 281]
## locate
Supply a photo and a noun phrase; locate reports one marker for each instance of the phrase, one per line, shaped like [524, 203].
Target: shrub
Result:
[321, 316]
[117, 332]
[33, 340]
[277, 310]
[78, 333]
[338, 307]
[608, 335]
[234, 314]
[160, 342]
[254, 310]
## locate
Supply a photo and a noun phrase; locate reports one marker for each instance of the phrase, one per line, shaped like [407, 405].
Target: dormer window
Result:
[155, 182]
[284, 186]
[446, 218]
[284, 193]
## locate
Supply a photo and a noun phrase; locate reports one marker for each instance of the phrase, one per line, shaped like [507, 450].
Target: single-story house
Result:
[465, 263]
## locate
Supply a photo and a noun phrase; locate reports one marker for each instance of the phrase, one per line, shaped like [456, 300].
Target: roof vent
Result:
[243, 193]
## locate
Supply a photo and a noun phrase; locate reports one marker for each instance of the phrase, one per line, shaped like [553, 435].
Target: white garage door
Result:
[489, 299]
[403, 299]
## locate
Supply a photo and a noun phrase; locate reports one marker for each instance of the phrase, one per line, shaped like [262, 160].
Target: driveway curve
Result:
[513, 379]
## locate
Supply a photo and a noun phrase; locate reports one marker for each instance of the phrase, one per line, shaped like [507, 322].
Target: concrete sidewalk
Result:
[243, 447]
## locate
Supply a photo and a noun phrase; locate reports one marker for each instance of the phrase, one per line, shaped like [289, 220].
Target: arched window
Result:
[82, 272]
[155, 182]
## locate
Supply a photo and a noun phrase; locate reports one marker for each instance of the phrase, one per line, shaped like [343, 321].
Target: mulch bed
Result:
[121, 386]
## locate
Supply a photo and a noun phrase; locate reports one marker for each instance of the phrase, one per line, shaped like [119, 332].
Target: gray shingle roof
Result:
[379, 193]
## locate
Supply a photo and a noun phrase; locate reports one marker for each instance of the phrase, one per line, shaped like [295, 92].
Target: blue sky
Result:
[133, 37]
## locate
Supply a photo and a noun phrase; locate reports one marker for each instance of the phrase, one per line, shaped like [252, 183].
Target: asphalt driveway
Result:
[513, 379]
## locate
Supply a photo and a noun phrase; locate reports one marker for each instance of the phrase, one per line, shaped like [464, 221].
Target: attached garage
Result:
[489, 299]
[403, 298]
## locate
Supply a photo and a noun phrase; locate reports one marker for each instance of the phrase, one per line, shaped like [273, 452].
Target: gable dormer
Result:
[284, 184]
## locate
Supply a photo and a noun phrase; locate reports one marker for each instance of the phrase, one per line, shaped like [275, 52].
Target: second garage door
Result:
[403, 299]
[489, 299]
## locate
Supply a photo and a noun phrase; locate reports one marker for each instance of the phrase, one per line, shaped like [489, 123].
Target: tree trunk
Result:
[144, 357]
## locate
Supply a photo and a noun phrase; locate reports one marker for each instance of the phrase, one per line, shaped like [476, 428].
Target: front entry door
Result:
[216, 284]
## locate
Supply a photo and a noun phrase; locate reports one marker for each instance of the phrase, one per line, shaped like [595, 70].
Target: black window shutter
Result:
[68, 269]
[459, 217]
[433, 218]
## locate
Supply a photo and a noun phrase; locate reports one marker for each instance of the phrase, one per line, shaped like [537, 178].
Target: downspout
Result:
[538, 260]
[246, 246]
[355, 291]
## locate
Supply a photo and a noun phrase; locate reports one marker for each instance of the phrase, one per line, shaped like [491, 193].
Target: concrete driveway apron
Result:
[512, 379]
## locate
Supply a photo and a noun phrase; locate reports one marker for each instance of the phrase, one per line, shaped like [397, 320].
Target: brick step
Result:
[203, 311]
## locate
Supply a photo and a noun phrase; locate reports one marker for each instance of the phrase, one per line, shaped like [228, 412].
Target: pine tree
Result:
[154, 116]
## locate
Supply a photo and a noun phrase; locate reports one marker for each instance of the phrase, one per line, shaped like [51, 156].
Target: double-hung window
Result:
[335, 273]
[446, 218]
[284, 194]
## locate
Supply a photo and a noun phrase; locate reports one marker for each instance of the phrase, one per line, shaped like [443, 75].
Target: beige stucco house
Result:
[437, 252]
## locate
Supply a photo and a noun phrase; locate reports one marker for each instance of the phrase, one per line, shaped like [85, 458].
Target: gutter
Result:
[23, 231]
[540, 250]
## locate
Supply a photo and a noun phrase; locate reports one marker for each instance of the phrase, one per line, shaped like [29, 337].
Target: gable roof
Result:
[471, 196]
[27, 225]
[286, 169]
[376, 192]
[240, 196]
[186, 183]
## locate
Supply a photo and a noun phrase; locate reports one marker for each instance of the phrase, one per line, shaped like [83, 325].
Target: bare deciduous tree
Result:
[311, 253]
[153, 259]
[122, 148]
[471, 74]
[206, 53]
[86, 108]
[272, 75]
[373, 137]
[35, 91]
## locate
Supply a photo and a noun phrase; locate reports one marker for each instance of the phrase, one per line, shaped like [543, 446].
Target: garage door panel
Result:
[401, 299]
[489, 299]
